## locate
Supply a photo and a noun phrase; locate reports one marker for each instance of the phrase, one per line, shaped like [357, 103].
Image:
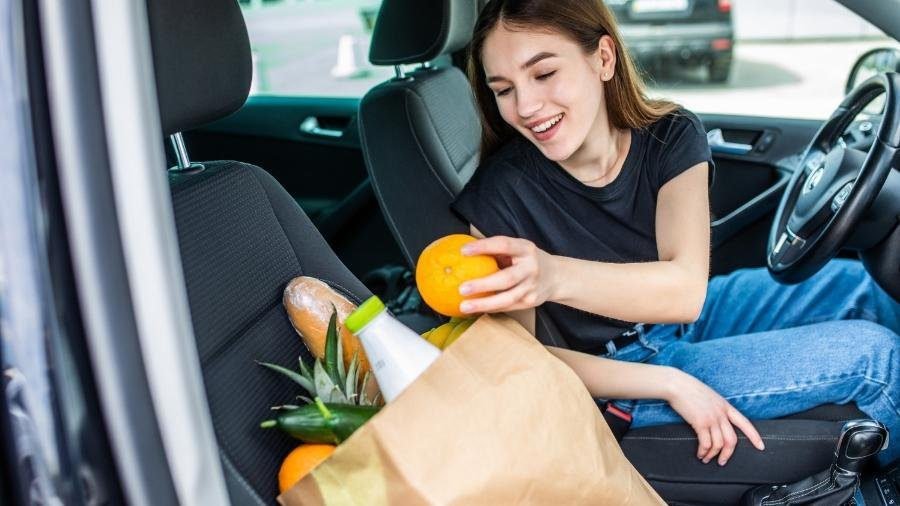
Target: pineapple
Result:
[328, 380]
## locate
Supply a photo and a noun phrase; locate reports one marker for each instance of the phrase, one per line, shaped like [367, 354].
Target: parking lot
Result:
[784, 79]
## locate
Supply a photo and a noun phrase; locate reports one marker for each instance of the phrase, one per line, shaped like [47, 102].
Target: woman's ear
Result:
[606, 51]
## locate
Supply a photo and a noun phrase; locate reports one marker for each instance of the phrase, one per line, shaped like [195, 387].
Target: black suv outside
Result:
[685, 32]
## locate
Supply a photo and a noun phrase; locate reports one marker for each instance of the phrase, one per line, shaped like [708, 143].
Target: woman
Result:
[595, 199]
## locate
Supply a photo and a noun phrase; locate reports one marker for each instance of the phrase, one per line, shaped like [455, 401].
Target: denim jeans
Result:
[773, 350]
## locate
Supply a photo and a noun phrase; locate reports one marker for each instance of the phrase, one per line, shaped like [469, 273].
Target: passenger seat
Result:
[242, 238]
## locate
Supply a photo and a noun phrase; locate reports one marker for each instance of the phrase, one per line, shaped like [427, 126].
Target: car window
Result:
[312, 48]
[781, 58]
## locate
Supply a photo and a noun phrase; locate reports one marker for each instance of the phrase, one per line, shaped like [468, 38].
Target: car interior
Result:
[258, 200]
[246, 228]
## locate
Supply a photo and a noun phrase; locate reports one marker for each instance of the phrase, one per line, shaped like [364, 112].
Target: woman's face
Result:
[547, 88]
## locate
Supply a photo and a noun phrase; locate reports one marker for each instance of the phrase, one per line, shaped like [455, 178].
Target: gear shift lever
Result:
[860, 440]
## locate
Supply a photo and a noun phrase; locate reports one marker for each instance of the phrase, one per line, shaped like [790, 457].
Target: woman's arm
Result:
[706, 411]
[710, 415]
[617, 379]
[605, 378]
[670, 290]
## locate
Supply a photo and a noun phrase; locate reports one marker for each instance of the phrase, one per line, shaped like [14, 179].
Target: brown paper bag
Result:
[495, 420]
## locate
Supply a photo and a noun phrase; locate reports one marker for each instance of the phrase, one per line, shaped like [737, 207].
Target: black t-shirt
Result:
[518, 192]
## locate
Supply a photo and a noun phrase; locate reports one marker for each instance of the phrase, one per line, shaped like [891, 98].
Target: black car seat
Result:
[242, 238]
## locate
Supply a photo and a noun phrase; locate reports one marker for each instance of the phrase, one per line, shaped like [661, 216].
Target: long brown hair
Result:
[583, 21]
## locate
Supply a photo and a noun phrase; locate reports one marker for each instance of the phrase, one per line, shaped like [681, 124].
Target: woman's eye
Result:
[502, 92]
[545, 76]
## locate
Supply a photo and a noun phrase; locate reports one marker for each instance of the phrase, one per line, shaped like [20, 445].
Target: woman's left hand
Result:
[524, 281]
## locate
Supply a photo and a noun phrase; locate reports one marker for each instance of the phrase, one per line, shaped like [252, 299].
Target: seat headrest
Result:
[413, 31]
[201, 57]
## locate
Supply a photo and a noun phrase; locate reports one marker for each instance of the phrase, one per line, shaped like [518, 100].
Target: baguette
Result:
[308, 302]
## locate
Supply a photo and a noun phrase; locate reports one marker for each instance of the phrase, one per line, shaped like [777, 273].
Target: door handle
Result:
[718, 144]
[310, 126]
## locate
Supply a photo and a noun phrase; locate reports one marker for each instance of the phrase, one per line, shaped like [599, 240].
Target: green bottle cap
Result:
[366, 311]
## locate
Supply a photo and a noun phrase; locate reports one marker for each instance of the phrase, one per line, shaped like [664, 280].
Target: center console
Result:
[842, 483]
[882, 488]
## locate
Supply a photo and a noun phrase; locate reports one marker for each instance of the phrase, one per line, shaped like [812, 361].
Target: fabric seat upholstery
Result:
[242, 238]
[421, 124]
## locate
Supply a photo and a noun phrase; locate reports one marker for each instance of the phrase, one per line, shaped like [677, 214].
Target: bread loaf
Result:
[308, 302]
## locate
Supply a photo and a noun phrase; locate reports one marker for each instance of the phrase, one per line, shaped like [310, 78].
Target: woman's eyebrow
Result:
[543, 55]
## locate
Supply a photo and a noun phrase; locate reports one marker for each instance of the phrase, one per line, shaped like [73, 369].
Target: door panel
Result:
[754, 162]
[311, 146]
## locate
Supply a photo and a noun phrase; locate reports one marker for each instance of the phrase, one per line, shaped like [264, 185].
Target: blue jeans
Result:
[773, 350]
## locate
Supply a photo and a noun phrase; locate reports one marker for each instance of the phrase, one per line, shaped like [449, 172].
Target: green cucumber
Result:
[322, 423]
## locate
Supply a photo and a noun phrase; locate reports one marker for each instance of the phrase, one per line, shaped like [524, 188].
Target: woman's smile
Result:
[543, 130]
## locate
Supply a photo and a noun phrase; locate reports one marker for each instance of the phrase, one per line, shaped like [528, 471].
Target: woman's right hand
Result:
[712, 417]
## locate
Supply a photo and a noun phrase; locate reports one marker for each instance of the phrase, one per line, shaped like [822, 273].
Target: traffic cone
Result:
[347, 63]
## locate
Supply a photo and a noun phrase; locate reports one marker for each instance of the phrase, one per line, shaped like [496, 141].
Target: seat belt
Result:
[618, 419]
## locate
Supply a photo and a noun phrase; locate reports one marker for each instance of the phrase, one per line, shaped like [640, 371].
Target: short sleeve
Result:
[481, 204]
[685, 146]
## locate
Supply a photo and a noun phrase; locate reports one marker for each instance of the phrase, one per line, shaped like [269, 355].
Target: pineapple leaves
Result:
[304, 370]
[363, 397]
[333, 349]
[325, 387]
[340, 357]
[352, 375]
[328, 378]
[302, 380]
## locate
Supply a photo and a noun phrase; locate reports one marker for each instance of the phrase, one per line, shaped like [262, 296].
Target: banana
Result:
[460, 328]
[425, 334]
[440, 334]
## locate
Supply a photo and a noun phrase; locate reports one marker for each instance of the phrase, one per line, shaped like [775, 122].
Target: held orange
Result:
[442, 268]
[300, 462]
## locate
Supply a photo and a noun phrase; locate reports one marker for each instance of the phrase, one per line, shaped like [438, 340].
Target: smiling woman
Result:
[596, 36]
[596, 198]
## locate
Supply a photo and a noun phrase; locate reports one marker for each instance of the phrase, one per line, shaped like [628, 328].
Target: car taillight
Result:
[724, 5]
[721, 44]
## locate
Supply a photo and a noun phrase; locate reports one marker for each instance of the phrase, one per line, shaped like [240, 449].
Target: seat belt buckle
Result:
[618, 419]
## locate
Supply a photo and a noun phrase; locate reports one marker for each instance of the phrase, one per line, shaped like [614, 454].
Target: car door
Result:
[755, 158]
[760, 120]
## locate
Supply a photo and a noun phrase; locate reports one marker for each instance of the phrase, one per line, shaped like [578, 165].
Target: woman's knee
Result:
[851, 269]
[878, 343]
[875, 334]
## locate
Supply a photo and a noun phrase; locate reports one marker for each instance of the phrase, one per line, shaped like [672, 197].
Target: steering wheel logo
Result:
[814, 179]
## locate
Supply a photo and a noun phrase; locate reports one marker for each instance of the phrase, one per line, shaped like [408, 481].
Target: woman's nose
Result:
[527, 102]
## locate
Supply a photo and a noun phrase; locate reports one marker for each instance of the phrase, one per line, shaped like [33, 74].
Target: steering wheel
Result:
[833, 185]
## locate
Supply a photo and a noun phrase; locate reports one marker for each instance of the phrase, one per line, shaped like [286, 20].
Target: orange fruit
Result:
[442, 268]
[300, 462]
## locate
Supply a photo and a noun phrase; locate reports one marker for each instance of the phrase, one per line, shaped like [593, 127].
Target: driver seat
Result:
[242, 238]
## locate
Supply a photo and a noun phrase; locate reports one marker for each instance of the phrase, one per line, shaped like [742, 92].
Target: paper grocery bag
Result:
[495, 420]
